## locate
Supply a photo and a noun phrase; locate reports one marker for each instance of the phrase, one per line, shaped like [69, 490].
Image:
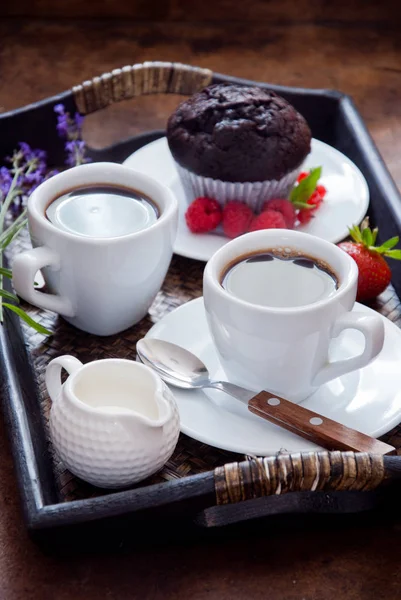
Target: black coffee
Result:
[279, 280]
[104, 211]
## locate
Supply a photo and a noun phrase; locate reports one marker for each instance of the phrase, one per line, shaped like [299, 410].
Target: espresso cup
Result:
[101, 285]
[285, 350]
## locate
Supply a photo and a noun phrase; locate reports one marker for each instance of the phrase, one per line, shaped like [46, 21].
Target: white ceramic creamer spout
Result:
[152, 407]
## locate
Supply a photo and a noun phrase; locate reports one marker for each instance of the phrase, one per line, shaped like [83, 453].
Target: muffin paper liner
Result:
[252, 193]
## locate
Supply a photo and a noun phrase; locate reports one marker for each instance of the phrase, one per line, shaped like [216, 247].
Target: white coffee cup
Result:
[100, 285]
[285, 350]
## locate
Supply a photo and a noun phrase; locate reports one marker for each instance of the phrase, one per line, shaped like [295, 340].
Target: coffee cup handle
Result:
[53, 373]
[25, 267]
[372, 328]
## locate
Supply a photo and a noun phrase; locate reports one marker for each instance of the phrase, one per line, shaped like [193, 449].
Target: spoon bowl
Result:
[174, 364]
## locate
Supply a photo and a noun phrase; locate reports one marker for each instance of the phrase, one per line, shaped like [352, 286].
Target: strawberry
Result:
[269, 219]
[374, 272]
[285, 207]
[237, 217]
[203, 215]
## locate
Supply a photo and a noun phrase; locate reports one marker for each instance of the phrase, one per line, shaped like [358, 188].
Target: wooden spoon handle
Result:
[314, 427]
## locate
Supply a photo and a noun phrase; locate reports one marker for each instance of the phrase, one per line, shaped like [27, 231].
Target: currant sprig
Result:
[301, 193]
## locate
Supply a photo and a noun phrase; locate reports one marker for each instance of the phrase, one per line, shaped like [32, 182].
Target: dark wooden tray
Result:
[202, 490]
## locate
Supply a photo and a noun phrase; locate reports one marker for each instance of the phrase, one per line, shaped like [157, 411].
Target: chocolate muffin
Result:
[238, 134]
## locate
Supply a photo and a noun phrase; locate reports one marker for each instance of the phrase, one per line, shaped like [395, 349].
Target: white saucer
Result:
[368, 400]
[346, 201]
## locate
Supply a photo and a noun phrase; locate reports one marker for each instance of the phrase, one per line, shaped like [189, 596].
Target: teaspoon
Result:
[180, 368]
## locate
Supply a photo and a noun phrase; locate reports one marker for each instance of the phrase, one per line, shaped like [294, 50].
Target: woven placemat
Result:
[183, 283]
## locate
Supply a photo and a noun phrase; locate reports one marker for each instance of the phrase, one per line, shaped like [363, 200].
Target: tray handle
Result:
[135, 80]
[307, 471]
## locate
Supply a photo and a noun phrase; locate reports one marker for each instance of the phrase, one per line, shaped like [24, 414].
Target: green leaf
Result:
[390, 243]
[9, 296]
[374, 235]
[6, 272]
[356, 234]
[303, 205]
[22, 314]
[16, 225]
[367, 237]
[394, 254]
[12, 233]
[305, 188]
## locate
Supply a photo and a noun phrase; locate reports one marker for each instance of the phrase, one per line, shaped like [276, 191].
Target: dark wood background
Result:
[47, 46]
[269, 11]
[353, 46]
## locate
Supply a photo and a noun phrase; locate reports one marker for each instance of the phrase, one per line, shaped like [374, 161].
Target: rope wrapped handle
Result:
[307, 471]
[135, 80]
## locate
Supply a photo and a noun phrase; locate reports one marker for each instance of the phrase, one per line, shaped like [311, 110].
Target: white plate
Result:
[346, 201]
[368, 400]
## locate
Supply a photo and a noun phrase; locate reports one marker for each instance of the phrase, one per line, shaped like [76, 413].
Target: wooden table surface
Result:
[39, 58]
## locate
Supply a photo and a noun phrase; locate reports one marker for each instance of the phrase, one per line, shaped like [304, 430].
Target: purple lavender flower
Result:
[75, 153]
[40, 155]
[28, 169]
[25, 149]
[5, 173]
[34, 178]
[5, 181]
[62, 126]
[79, 120]
[36, 158]
[70, 129]
[28, 166]
[59, 109]
[70, 146]
[63, 121]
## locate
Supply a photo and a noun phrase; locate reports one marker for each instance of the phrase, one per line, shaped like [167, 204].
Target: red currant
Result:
[302, 176]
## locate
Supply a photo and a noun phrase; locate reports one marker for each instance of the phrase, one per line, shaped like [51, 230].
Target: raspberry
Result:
[285, 207]
[321, 190]
[203, 215]
[269, 219]
[237, 217]
[305, 215]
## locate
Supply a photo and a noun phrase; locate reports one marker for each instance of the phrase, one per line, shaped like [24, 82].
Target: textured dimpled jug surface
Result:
[113, 422]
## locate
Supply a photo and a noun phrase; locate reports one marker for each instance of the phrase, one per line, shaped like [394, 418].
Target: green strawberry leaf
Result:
[364, 235]
[356, 234]
[367, 237]
[394, 254]
[390, 243]
[305, 188]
